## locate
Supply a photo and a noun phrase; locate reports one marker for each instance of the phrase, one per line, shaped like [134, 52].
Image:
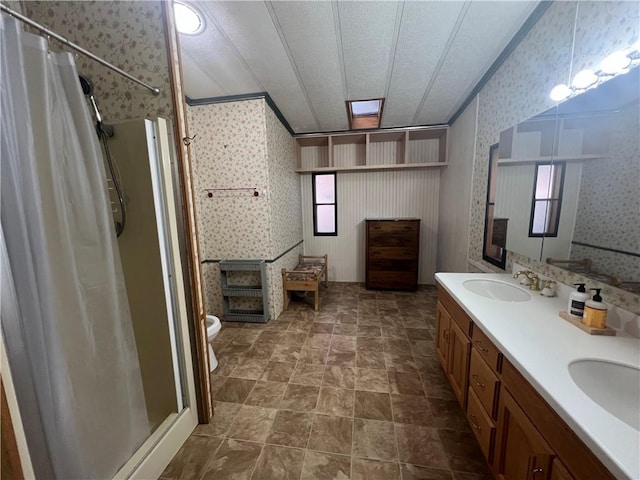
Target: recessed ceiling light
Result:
[560, 92]
[188, 20]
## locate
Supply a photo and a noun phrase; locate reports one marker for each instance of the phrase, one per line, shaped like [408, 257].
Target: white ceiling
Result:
[423, 57]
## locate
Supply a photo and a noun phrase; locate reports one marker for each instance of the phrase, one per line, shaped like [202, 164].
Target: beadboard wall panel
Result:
[361, 195]
[384, 153]
[424, 151]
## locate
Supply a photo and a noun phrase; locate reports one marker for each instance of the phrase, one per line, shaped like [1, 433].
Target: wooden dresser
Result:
[392, 253]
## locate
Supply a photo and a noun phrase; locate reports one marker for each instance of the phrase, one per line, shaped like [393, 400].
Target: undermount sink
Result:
[613, 386]
[496, 290]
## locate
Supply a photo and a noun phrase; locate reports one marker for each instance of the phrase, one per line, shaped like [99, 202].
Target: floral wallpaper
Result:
[130, 35]
[520, 89]
[242, 145]
[609, 206]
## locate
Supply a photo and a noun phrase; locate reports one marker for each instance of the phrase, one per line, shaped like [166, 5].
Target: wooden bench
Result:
[306, 277]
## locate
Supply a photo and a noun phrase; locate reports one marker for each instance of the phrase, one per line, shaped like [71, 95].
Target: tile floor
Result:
[354, 391]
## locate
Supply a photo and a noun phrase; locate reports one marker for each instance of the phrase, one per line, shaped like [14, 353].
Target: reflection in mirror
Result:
[595, 135]
[495, 227]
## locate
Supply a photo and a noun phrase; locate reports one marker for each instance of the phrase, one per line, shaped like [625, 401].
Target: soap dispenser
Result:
[595, 312]
[577, 300]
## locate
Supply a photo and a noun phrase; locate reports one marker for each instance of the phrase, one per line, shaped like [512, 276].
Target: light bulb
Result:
[636, 46]
[560, 92]
[584, 79]
[187, 19]
[615, 63]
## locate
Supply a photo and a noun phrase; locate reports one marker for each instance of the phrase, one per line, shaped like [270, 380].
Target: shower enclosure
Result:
[94, 327]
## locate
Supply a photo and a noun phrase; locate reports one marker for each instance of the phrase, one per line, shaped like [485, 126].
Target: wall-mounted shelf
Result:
[231, 290]
[556, 158]
[393, 149]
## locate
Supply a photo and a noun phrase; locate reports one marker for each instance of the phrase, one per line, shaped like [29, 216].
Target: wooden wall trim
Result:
[198, 323]
[11, 467]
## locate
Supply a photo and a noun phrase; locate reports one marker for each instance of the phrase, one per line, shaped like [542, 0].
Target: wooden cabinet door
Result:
[442, 339]
[458, 364]
[520, 452]
[559, 472]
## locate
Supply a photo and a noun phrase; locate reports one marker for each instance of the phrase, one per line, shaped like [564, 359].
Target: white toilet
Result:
[213, 328]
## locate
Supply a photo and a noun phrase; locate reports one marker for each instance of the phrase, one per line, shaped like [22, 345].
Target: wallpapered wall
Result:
[608, 212]
[131, 35]
[520, 89]
[243, 145]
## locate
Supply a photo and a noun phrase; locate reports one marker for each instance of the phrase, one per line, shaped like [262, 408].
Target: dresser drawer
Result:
[392, 253]
[392, 265]
[482, 426]
[486, 349]
[386, 239]
[484, 383]
[392, 227]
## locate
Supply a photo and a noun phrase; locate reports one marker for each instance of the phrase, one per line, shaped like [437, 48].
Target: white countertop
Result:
[541, 346]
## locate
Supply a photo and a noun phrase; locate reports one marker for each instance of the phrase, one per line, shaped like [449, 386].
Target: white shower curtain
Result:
[65, 314]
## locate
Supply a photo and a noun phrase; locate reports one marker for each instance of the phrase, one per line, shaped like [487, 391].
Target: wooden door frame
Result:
[198, 323]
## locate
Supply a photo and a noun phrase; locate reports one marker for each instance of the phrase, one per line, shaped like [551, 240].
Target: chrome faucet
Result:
[532, 280]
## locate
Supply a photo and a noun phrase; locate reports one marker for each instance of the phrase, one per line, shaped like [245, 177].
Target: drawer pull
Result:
[537, 470]
[478, 384]
[478, 344]
[445, 334]
[474, 424]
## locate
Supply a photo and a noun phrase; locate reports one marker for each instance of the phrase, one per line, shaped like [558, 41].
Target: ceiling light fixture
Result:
[188, 20]
[614, 64]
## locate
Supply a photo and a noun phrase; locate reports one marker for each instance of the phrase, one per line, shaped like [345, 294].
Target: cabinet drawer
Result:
[484, 383]
[392, 265]
[482, 426]
[486, 349]
[392, 253]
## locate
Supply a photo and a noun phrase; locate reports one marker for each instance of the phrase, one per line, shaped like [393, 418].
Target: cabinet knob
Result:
[474, 424]
[537, 470]
[478, 344]
[477, 381]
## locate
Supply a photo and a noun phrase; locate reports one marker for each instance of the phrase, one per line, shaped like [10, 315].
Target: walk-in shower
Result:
[105, 132]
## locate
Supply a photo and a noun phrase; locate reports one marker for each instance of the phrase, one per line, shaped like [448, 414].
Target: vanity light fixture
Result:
[584, 79]
[616, 63]
[560, 92]
[188, 20]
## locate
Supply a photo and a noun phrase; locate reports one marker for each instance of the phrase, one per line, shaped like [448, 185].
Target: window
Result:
[325, 210]
[494, 248]
[365, 113]
[547, 200]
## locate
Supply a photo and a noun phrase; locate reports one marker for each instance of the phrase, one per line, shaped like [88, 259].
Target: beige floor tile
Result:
[286, 353]
[278, 371]
[234, 390]
[412, 409]
[374, 439]
[316, 356]
[420, 446]
[331, 434]
[363, 469]
[300, 398]
[308, 374]
[252, 423]
[336, 401]
[373, 405]
[279, 463]
[224, 414]
[326, 466]
[266, 394]
[291, 428]
[416, 472]
[339, 377]
[250, 368]
[234, 459]
[368, 379]
[406, 383]
[192, 458]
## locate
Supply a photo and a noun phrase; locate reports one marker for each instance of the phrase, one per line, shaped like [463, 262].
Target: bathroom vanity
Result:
[545, 400]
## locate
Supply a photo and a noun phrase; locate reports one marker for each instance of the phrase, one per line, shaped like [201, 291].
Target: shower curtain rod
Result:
[77, 48]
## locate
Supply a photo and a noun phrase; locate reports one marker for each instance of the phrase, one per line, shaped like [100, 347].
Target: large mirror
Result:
[568, 184]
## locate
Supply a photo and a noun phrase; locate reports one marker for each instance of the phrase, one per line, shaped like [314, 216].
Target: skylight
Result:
[365, 113]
